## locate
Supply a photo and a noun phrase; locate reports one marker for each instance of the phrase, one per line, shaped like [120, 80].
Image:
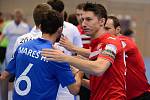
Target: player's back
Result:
[36, 77]
[136, 79]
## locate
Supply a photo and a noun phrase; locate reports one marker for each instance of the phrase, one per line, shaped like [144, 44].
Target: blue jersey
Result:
[37, 78]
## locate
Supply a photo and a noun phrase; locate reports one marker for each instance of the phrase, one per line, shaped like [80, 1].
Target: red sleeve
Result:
[109, 52]
[107, 58]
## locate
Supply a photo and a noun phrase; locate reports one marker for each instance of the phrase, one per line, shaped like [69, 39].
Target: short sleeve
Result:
[109, 52]
[64, 74]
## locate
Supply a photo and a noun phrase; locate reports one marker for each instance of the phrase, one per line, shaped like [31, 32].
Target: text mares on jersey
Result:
[31, 53]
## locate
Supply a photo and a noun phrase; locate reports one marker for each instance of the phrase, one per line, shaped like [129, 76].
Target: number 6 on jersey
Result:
[24, 77]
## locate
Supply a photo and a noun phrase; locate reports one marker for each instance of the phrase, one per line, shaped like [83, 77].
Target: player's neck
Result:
[49, 37]
[99, 32]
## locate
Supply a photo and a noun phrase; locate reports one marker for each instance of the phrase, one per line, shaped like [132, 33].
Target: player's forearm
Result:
[86, 83]
[78, 78]
[81, 51]
[75, 87]
[90, 67]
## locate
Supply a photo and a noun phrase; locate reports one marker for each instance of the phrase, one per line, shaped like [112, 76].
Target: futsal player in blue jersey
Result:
[37, 78]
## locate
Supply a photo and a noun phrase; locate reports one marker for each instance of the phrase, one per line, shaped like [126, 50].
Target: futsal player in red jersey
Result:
[112, 80]
[106, 65]
[136, 81]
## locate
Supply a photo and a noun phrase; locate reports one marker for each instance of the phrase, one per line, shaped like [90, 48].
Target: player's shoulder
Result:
[24, 24]
[69, 25]
[127, 40]
[9, 24]
[28, 43]
[123, 37]
[113, 40]
[24, 36]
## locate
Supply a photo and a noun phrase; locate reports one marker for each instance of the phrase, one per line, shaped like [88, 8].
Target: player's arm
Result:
[75, 87]
[4, 75]
[66, 78]
[97, 67]
[11, 68]
[68, 45]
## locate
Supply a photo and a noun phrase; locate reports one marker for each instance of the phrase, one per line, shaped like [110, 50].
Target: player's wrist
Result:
[74, 49]
[4, 75]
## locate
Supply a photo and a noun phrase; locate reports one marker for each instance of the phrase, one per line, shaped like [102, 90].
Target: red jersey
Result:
[136, 79]
[85, 39]
[111, 85]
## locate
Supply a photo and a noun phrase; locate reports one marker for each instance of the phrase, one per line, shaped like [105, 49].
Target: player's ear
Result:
[118, 30]
[102, 21]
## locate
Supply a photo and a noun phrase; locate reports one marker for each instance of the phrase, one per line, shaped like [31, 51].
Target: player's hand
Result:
[64, 41]
[4, 75]
[54, 55]
[74, 70]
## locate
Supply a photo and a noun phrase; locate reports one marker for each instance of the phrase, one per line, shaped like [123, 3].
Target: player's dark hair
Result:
[38, 11]
[115, 20]
[73, 19]
[57, 5]
[98, 9]
[80, 6]
[51, 21]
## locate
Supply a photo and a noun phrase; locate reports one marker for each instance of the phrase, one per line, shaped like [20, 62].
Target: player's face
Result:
[110, 27]
[90, 23]
[18, 16]
[79, 13]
